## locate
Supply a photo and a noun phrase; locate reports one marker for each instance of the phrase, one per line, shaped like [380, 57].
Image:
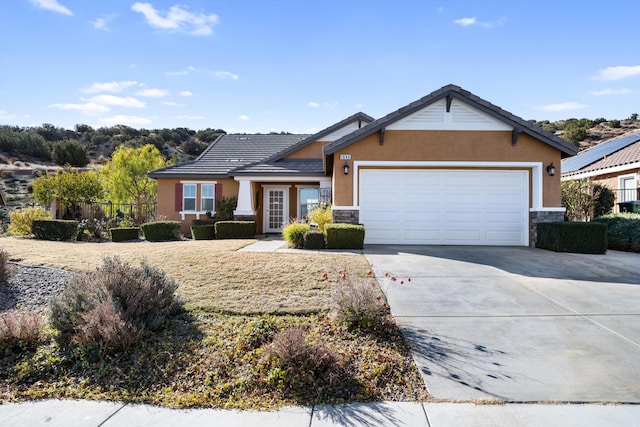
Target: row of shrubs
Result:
[613, 231]
[334, 236]
[67, 230]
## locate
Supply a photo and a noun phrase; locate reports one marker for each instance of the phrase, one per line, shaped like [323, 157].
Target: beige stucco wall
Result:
[311, 151]
[488, 146]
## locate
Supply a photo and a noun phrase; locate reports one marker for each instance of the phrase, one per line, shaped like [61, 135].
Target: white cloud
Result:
[185, 93]
[609, 91]
[102, 23]
[86, 108]
[177, 19]
[324, 104]
[184, 72]
[5, 115]
[618, 73]
[564, 106]
[153, 93]
[52, 5]
[243, 117]
[121, 119]
[360, 106]
[118, 101]
[313, 104]
[465, 22]
[190, 117]
[226, 75]
[112, 87]
[172, 104]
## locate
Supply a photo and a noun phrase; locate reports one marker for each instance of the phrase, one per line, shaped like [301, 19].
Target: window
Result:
[308, 199]
[189, 197]
[627, 188]
[207, 198]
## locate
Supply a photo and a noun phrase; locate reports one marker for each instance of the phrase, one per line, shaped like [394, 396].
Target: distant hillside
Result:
[586, 133]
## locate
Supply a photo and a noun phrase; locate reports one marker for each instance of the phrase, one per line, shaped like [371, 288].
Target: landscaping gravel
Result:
[31, 287]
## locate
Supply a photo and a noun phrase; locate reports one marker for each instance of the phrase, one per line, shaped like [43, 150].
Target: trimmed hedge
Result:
[123, 234]
[235, 229]
[345, 236]
[159, 231]
[577, 237]
[623, 231]
[55, 229]
[314, 239]
[203, 232]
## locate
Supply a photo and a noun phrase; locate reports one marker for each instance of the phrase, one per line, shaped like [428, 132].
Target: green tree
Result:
[71, 187]
[70, 152]
[126, 177]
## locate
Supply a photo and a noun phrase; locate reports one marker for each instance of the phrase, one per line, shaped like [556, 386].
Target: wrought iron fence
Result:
[627, 194]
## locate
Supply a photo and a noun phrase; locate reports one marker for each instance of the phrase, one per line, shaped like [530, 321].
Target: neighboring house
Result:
[450, 168]
[615, 164]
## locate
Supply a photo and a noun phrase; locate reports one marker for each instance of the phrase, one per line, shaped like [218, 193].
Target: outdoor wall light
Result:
[551, 170]
[345, 168]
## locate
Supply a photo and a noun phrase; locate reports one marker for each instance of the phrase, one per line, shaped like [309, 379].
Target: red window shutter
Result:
[218, 192]
[178, 205]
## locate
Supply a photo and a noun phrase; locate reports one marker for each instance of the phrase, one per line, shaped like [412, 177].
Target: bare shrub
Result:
[6, 270]
[19, 328]
[114, 305]
[300, 362]
[105, 324]
[359, 303]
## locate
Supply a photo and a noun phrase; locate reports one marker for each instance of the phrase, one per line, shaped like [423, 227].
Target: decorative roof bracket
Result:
[382, 136]
[449, 99]
[514, 135]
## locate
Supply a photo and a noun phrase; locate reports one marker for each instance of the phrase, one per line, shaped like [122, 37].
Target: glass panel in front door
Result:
[276, 209]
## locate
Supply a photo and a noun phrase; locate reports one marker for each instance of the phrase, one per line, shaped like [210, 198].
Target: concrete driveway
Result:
[517, 324]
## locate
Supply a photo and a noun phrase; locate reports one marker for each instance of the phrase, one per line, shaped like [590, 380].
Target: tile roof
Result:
[617, 152]
[457, 92]
[230, 152]
[306, 167]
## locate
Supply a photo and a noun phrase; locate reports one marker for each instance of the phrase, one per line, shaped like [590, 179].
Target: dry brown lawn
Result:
[211, 274]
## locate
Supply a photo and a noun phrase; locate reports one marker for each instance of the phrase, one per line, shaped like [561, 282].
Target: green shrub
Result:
[6, 270]
[113, 306]
[345, 236]
[21, 220]
[55, 229]
[21, 329]
[314, 239]
[225, 207]
[623, 231]
[235, 229]
[321, 216]
[70, 152]
[615, 124]
[159, 231]
[359, 303]
[203, 232]
[123, 234]
[293, 233]
[577, 237]
[603, 200]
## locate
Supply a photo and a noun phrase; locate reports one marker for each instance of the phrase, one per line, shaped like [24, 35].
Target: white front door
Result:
[276, 208]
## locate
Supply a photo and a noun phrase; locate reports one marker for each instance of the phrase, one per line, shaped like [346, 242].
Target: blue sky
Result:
[299, 66]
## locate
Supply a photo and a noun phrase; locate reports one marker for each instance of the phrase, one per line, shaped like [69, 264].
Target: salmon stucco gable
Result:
[449, 168]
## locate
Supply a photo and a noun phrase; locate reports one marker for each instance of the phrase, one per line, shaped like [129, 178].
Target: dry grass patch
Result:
[211, 275]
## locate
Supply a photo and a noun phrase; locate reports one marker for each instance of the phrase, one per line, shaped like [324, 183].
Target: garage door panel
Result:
[468, 207]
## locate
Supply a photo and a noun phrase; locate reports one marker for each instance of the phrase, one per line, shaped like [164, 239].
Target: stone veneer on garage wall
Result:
[538, 217]
[346, 216]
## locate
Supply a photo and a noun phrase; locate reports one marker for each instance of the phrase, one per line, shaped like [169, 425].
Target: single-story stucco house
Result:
[449, 169]
[614, 163]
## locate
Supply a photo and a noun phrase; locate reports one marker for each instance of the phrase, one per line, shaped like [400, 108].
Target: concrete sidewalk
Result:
[74, 413]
